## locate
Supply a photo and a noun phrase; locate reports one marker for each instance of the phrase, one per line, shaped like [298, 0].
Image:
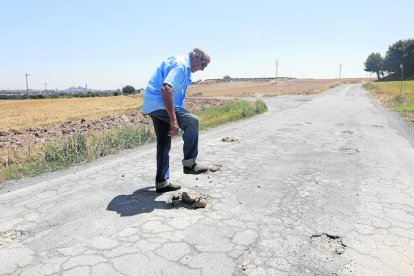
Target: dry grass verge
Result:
[396, 95]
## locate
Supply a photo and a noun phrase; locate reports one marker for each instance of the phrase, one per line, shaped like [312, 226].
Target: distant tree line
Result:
[126, 90]
[398, 62]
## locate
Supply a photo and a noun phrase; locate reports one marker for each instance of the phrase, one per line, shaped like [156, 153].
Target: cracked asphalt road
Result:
[332, 165]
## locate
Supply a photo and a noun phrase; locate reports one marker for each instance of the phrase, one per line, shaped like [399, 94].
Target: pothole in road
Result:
[247, 261]
[348, 150]
[230, 140]
[329, 243]
[347, 132]
[8, 237]
[312, 182]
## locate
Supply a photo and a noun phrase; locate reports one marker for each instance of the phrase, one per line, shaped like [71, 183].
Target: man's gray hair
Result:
[200, 52]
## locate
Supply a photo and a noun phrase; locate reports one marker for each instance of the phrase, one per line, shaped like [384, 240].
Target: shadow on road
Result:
[141, 201]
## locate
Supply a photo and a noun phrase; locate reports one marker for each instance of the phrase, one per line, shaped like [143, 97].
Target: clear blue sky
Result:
[109, 43]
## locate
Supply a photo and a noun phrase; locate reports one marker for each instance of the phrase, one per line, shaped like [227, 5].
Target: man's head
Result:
[199, 59]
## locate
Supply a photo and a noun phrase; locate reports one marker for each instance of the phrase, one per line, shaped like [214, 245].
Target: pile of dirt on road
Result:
[28, 137]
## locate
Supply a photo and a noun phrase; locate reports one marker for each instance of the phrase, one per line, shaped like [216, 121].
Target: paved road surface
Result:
[319, 185]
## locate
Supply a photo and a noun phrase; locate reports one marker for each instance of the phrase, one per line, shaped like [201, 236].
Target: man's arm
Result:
[167, 96]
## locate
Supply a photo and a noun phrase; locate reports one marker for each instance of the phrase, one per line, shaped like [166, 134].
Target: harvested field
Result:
[265, 87]
[39, 134]
[23, 114]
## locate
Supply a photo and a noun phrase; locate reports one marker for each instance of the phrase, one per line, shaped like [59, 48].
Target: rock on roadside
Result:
[201, 202]
[190, 197]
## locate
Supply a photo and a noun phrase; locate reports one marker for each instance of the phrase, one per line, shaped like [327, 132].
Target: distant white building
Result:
[78, 89]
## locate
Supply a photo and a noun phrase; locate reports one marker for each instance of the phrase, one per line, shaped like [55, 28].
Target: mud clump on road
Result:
[201, 202]
[192, 198]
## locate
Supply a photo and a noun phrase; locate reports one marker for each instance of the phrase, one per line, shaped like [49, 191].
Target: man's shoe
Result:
[195, 169]
[171, 187]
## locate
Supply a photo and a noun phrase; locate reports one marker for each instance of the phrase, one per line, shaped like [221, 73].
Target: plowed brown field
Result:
[265, 87]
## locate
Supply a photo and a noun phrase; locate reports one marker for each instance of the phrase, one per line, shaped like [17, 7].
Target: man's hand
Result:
[174, 130]
[167, 96]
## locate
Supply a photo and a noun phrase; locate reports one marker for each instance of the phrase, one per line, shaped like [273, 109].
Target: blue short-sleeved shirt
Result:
[175, 71]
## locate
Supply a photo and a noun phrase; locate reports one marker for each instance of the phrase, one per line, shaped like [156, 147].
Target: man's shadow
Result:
[140, 201]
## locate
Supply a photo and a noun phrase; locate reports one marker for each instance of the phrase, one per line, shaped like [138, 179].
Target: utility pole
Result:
[402, 76]
[340, 70]
[27, 85]
[277, 65]
[46, 86]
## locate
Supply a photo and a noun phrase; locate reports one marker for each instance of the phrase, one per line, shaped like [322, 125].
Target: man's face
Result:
[199, 64]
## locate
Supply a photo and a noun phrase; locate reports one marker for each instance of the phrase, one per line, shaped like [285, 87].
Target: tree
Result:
[375, 64]
[227, 78]
[401, 52]
[129, 89]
